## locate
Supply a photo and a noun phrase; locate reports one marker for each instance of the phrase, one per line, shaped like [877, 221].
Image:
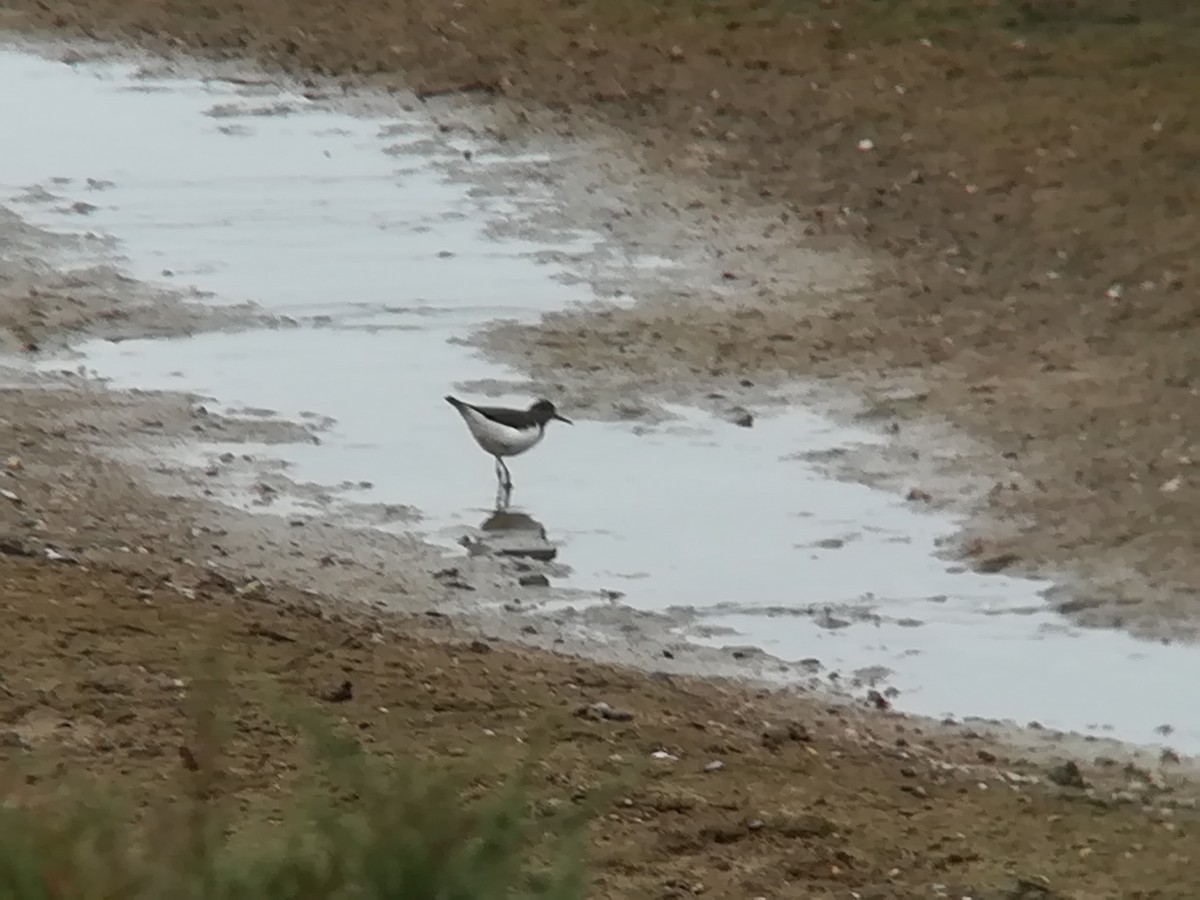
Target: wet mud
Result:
[1018, 284]
[327, 504]
[376, 502]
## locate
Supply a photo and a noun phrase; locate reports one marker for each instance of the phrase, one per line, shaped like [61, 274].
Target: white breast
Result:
[497, 439]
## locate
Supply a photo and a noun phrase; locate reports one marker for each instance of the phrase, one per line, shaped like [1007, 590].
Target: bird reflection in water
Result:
[505, 519]
[510, 532]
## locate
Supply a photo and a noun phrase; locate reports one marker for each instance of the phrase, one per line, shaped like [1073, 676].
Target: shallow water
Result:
[354, 227]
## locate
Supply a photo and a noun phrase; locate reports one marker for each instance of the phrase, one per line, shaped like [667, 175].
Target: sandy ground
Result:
[1034, 229]
[1000, 222]
[805, 800]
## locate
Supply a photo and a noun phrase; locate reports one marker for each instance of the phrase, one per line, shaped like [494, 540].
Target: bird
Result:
[502, 431]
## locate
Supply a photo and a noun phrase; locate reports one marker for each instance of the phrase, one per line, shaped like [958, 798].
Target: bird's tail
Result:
[455, 402]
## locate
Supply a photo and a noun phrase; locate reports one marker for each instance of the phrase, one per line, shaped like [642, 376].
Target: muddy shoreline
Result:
[137, 536]
[400, 573]
[156, 504]
[1092, 411]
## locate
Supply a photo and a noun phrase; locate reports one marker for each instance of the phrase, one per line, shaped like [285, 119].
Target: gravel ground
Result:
[1035, 244]
[1023, 174]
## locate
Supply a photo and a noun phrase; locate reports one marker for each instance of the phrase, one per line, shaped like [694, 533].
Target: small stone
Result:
[997, 563]
[877, 700]
[15, 547]
[603, 712]
[12, 739]
[253, 589]
[775, 736]
[1067, 774]
[1031, 887]
[341, 694]
[741, 417]
[715, 766]
[535, 579]
[723, 833]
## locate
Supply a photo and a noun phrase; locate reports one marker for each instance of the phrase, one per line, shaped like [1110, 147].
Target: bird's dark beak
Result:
[563, 419]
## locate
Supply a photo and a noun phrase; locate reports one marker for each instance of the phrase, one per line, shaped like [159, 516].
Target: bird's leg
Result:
[503, 485]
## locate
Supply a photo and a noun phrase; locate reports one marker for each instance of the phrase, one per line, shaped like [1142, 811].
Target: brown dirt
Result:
[103, 645]
[99, 664]
[1027, 158]
[1010, 185]
[47, 308]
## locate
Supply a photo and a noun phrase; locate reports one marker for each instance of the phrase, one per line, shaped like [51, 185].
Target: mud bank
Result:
[106, 539]
[843, 587]
[718, 789]
[1019, 291]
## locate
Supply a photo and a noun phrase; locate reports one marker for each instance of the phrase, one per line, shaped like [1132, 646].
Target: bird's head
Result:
[544, 411]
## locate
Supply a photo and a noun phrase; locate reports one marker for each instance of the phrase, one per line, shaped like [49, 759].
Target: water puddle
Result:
[354, 228]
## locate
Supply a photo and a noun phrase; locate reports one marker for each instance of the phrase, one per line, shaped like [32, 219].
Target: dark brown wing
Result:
[513, 418]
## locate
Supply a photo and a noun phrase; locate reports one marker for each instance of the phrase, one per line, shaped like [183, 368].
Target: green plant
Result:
[361, 828]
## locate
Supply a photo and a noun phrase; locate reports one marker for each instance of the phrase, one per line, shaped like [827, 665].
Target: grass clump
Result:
[358, 828]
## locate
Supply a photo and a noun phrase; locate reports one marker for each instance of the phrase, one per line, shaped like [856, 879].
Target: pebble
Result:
[997, 563]
[603, 712]
[13, 739]
[774, 736]
[715, 766]
[1067, 774]
[741, 417]
[252, 589]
